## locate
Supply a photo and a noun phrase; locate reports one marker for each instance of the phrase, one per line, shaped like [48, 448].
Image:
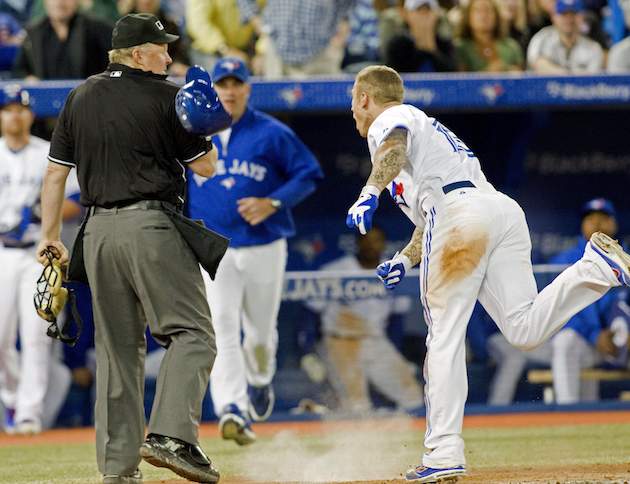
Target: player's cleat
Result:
[135, 478]
[614, 255]
[234, 425]
[9, 421]
[261, 402]
[184, 459]
[28, 427]
[430, 474]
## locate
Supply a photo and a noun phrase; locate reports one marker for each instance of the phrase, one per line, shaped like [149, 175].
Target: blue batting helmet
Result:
[198, 107]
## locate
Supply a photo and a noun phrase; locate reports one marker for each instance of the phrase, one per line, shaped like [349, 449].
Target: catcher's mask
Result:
[50, 298]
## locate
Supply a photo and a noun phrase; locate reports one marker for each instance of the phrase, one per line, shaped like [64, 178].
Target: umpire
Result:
[120, 130]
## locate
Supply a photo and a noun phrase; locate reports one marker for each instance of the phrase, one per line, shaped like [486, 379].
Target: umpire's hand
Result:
[59, 250]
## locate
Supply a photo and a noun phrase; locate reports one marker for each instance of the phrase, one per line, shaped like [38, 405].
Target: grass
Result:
[381, 452]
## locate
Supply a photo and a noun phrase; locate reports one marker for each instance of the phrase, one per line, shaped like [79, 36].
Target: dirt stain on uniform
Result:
[462, 254]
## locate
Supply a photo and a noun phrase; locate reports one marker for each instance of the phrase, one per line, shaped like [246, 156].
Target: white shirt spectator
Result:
[619, 57]
[585, 57]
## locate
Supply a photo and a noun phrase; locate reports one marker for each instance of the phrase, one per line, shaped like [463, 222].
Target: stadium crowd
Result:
[65, 39]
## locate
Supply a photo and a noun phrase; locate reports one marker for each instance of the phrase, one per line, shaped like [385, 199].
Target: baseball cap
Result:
[565, 6]
[415, 4]
[14, 94]
[599, 205]
[140, 28]
[230, 67]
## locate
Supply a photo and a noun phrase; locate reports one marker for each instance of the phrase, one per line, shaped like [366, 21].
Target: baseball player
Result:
[357, 347]
[472, 242]
[24, 377]
[585, 339]
[263, 170]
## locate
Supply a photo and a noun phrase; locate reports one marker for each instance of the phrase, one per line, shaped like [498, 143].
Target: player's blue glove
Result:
[392, 271]
[198, 107]
[361, 213]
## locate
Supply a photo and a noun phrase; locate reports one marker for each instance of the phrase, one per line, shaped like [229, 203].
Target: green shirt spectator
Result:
[504, 55]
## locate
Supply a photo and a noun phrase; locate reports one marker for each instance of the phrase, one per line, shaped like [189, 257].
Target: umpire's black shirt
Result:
[120, 130]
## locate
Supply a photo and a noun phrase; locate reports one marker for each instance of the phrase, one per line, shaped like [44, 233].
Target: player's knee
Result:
[523, 342]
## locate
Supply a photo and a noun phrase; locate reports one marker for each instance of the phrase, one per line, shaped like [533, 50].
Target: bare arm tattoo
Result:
[413, 250]
[389, 159]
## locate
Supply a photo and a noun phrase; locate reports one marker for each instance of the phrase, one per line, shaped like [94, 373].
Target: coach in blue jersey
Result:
[263, 170]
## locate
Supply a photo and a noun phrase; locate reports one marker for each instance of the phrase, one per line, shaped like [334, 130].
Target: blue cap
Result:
[564, 6]
[599, 205]
[230, 67]
[14, 94]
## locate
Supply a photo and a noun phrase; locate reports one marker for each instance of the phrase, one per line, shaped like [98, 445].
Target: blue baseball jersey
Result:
[590, 321]
[262, 158]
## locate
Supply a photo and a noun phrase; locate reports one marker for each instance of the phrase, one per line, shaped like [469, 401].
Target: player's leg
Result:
[36, 352]
[119, 342]
[510, 363]
[265, 267]
[390, 373]
[456, 242]
[509, 292]
[9, 358]
[228, 383]
[344, 358]
[571, 353]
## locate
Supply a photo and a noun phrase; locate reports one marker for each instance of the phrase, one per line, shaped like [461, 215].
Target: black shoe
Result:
[184, 459]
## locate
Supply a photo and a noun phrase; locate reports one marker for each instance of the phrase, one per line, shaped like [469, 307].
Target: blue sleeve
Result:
[301, 169]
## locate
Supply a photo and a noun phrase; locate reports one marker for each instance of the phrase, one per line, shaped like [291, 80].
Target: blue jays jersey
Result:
[261, 158]
[592, 319]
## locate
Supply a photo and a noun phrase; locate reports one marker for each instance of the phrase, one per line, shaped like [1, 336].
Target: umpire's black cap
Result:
[140, 28]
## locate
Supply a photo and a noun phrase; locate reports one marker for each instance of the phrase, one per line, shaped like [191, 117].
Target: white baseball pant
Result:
[476, 245]
[245, 296]
[23, 377]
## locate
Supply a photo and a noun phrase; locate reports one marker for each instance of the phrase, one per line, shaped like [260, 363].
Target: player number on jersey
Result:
[457, 144]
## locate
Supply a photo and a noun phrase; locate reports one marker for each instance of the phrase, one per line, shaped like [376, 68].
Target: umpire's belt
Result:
[140, 205]
[455, 185]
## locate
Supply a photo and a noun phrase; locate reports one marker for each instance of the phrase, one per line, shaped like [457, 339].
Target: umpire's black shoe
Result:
[184, 459]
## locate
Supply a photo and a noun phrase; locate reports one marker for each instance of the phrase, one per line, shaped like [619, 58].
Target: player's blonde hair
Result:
[382, 83]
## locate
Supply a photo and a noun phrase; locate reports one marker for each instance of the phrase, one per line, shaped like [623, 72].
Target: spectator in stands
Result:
[106, 10]
[20, 10]
[540, 13]
[514, 16]
[423, 49]
[581, 342]
[357, 348]
[482, 46]
[299, 39]
[217, 30]
[363, 46]
[11, 32]
[64, 45]
[178, 50]
[561, 48]
[619, 57]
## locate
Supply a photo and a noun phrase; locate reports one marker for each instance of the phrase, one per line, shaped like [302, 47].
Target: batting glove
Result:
[392, 271]
[361, 213]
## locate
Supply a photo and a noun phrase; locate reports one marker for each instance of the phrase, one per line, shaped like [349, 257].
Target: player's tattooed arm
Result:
[389, 159]
[413, 250]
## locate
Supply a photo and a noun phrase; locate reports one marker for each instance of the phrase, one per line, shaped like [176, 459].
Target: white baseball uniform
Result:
[23, 381]
[476, 245]
[378, 361]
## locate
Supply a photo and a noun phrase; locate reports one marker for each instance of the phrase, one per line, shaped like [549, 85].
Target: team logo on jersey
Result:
[228, 183]
[398, 193]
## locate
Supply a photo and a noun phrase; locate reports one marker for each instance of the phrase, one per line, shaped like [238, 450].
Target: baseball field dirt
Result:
[553, 447]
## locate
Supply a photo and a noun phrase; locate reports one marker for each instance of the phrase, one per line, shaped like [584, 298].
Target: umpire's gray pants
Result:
[141, 270]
